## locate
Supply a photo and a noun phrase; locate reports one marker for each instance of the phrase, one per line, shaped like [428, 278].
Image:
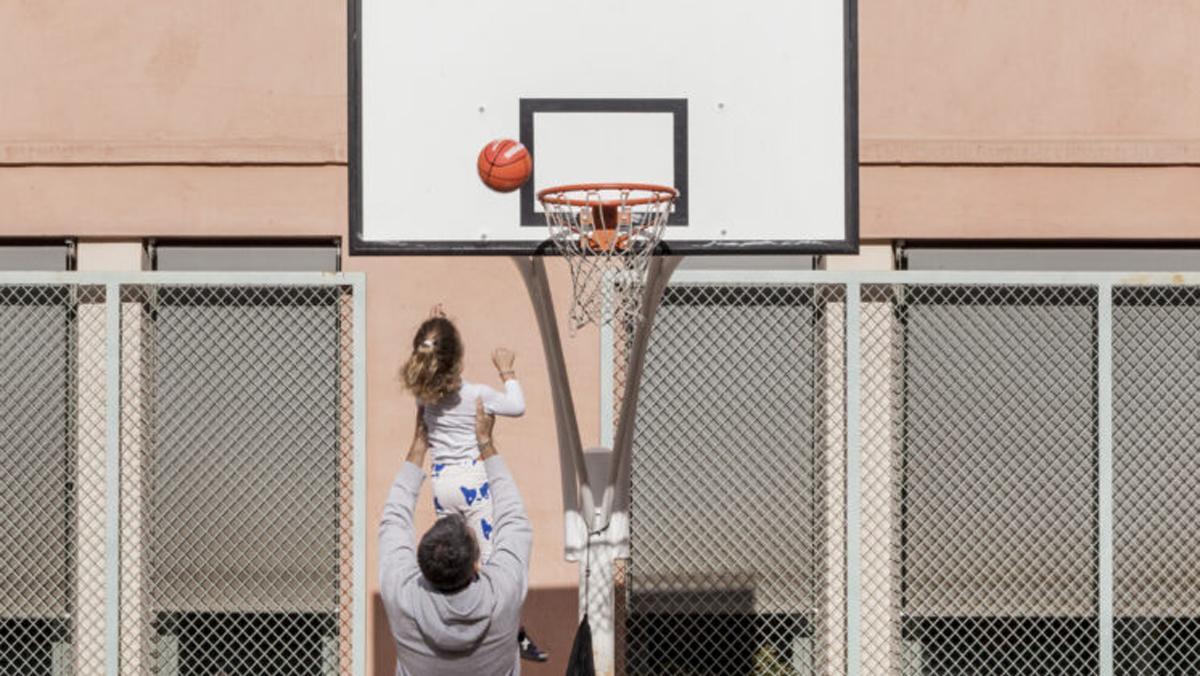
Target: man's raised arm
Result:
[397, 542]
[512, 541]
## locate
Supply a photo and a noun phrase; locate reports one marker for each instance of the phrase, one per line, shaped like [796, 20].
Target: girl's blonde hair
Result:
[434, 370]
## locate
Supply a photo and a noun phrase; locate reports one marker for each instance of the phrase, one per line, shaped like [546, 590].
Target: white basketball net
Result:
[607, 234]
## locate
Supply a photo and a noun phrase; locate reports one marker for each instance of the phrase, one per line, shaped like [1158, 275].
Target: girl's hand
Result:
[438, 311]
[504, 358]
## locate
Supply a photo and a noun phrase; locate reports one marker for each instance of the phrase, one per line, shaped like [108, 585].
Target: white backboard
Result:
[749, 108]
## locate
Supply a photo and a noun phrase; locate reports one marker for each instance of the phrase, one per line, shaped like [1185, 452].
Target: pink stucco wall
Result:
[1029, 119]
[173, 82]
[1025, 118]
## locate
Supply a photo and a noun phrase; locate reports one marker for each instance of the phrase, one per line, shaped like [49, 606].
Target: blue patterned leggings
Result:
[462, 488]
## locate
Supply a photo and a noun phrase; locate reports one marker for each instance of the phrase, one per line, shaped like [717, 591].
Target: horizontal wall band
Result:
[1048, 151]
[897, 202]
[1030, 202]
[183, 152]
[873, 150]
[157, 201]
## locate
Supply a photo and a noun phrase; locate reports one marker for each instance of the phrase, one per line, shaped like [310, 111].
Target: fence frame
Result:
[853, 281]
[112, 283]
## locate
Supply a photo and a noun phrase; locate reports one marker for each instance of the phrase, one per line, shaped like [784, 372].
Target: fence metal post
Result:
[1104, 405]
[112, 484]
[853, 480]
[358, 631]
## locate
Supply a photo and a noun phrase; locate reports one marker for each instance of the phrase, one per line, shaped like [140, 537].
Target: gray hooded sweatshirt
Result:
[472, 632]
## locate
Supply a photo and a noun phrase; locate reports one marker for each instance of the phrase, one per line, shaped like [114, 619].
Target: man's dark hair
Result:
[447, 554]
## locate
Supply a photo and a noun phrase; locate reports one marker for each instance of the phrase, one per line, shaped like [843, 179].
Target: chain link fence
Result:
[52, 507]
[1156, 479]
[236, 484]
[981, 444]
[983, 451]
[735, 532]
[981, 534]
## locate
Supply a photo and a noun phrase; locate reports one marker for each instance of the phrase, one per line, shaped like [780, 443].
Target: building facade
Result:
[177, 136]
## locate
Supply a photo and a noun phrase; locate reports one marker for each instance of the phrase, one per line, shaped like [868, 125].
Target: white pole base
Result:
[600, 609]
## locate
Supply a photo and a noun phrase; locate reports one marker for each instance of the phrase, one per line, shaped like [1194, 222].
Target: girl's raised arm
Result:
[512, 401]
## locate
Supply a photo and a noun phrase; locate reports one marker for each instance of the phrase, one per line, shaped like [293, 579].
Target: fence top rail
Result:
[198, 278]
[987, 277]
[680, 276]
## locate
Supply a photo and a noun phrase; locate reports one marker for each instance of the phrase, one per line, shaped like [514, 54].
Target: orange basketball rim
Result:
[609, 217]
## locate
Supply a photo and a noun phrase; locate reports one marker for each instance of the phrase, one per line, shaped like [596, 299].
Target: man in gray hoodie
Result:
[449, 614]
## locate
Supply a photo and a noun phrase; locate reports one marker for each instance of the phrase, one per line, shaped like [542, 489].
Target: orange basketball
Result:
[504, 164]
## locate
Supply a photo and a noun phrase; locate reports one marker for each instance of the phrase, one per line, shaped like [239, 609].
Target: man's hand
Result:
[484, 422]
[504, 358]
[420, 441]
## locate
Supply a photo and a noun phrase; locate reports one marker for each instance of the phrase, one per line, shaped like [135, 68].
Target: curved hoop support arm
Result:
[616, 490]
[577, 492]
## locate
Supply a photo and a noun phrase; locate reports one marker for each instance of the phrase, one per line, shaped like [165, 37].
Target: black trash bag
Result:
[580, 662]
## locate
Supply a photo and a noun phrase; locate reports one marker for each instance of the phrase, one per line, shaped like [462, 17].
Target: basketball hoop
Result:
[607, 232]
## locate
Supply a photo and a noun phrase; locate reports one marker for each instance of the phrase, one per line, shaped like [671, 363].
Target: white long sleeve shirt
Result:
[451, 422]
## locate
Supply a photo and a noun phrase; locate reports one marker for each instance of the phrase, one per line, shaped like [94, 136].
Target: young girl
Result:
[433, 373]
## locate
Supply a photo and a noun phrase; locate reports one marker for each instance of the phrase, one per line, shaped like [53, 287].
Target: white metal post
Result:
[611, 538]
[112, 491]
[853, 480]
[1104, 406]
[358, 631]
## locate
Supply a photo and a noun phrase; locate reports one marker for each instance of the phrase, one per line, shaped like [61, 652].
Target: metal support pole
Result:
[358, 630]
[853, 479]
[616, 490]
[112, 473]
[605, 547]
[1104, 410]
[577, 492]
